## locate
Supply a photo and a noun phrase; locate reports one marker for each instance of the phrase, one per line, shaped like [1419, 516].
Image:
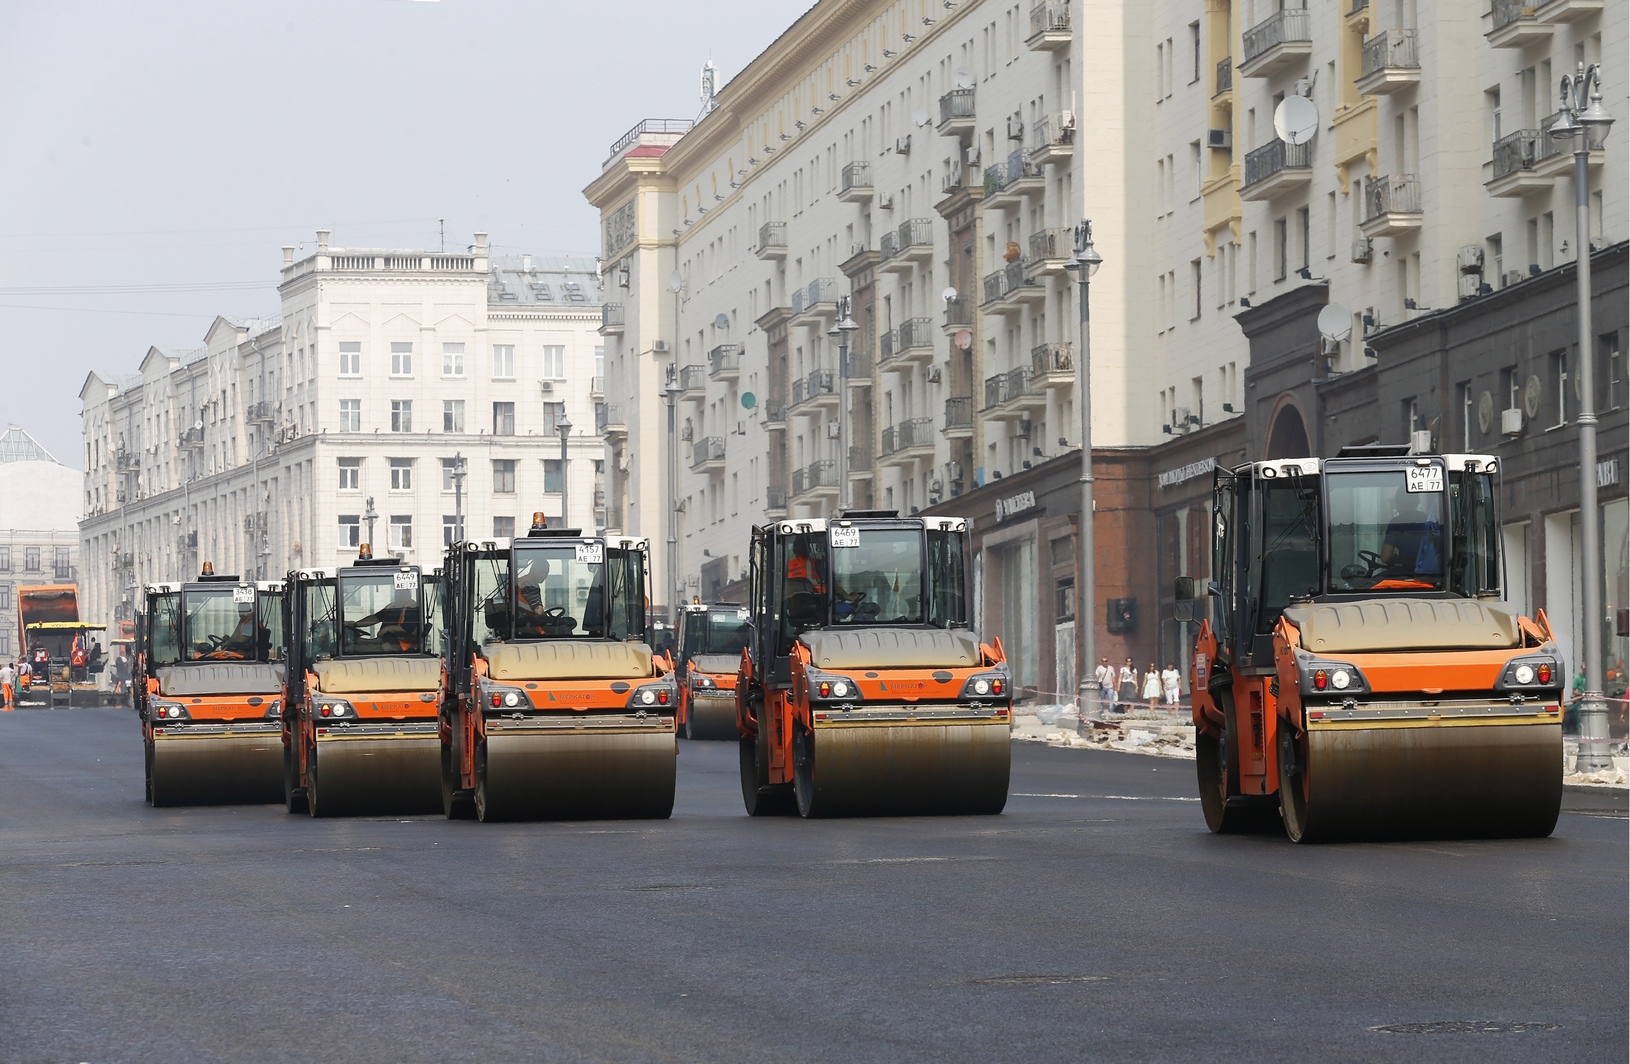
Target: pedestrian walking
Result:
[1171, 682]
[1129, 686]
[8, 687]
[1151, 687]
[1105, 677]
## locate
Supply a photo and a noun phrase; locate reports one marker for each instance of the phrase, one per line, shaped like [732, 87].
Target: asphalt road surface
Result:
[1094, 920]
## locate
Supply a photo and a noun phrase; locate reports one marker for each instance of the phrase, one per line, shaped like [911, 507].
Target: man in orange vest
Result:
[802, 567]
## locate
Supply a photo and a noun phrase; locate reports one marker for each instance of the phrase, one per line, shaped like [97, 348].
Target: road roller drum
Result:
[576, 776]
[223, 769]
[902, 770]
[351, 776]
[711, 717]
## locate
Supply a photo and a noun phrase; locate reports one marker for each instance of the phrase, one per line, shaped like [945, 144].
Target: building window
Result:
[449, 529]
[1559, 379]
[401, 474]
[1281, 249]
[554, 362]
[452, 415]
[1194, 270]
[401, 415]
[1304, 223]
[350, 531]
[503, 361]
[350, 474]
[1064, 601]
[452, 360]
[551, 476]
[552, 413]
[62, 563]
[449, 467]
[401, 532]
[31, 559]
[1612, 362]
[5, 644]
[5, 596]
[1466, 416]
[503, 419]
[350, 358]
[5, 559]
[503, 476]
[503, 528]
[401, 359]
[350, 415]
[1194, 47]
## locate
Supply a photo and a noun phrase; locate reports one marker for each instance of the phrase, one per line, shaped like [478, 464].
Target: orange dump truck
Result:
[1360, 675]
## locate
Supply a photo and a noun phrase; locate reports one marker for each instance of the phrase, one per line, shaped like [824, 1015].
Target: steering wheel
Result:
[553, 613]
[1373, 560]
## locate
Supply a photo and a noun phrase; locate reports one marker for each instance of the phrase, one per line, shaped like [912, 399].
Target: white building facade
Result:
[400, 394]
[39, 527]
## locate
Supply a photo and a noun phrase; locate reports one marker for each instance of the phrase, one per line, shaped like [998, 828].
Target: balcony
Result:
[1010, 289]
[1277, 168]
[724, 362]
[1008, 183]
[912, 242]
[1055, 138]
[908, 441]
[1392, 206]
[772, 241]
[1554, 11]
[261, 413]
[959, 314]
[1554, 158]
[1012, 394]
[1050, 249]
[956, 113]
[1052, 365]
[126, 461]
[860, 462]
[190, 438]
[959, 417]
[814, 392]
[597, 386]
[1049, 26]
[1514, 25]
[1391, 63]
[775, 502]
[855, 184]
[609, 421]
[1515, 156]
[857, 369]
[707, 455]
[912, 342]
[611, 319]
[775, 416]
[816, 479]
[1225, 79]
[693, 382]
[811, 306]
[1276, 44]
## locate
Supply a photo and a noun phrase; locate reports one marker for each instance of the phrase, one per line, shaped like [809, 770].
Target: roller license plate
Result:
[846, 537]
[1424, 478]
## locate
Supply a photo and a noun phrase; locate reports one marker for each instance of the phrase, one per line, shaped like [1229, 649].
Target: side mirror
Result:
[1183, 588]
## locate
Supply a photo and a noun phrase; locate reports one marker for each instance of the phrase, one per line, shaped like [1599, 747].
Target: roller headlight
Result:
[1524, 673]
[1531, 672]
[654, 695]
[702, 682]
[166, 711]
[648, 698]
[1340, 678]
[840, 689]
[988, 685]
[335, 709]
[981, 686]
[511, 699]
[826, 685]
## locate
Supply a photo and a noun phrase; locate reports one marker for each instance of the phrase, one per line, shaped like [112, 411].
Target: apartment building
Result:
[40, 541]
[401, 393]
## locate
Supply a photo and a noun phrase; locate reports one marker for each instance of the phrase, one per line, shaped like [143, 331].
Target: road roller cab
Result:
[556, 705]
[1359, 675]
[863, 690]
[210, 668]
[363, 689]
[711, 639]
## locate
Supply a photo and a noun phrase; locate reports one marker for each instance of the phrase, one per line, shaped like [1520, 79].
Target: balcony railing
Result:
[857, 175]
[704, 451]
[1225, 76]
[820, 474]
[1390, 50]
[959, 412]
[193, 437]
[914, 432]
[608, 416]
[1004, 386]
[724, 359]
[1049, 16]
[1506, 12]
[1046, 244]
[775, 413]
[1289, 24]
[611, 316]
[860, 458]
[772, 236]
[816, 384]
[956, 106]
[1392, 194]
[126, 461]
[692, 378]
[1274, 157]
[261, 412]
[959, 313]
[821, 290]
[775, 499]
[914, 233]
[857, 366]
[597, 386]
[1056, 130]
[1516, 151]
[996, 287]
[1048, 359]
[915, 332]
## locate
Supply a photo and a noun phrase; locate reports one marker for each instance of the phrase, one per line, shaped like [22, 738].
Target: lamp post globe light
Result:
[1084, 261]
[564, 427]
[841, 331]
[1583, 123]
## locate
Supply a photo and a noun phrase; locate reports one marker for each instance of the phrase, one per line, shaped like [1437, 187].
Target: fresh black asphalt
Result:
[1095, 920]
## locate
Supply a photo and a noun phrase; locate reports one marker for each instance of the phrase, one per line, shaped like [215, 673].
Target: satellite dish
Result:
[1296, 120]
[722, 322]
[676, 281]
[964, 78]
[1335, 323]
[963, 339]
[920, 117]
[949, 295]
[748, 400]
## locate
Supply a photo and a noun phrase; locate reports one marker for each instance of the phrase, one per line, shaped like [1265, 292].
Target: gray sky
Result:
[177, 145]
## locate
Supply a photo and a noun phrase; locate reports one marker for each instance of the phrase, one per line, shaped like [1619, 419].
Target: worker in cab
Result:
[802, 567]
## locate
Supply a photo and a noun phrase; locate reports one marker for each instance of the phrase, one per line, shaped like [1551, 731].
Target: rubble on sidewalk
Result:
[1059, 725]
[1618, 776]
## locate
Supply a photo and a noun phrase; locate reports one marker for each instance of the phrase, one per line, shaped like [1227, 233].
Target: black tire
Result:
[1293, 787]
[455, 804]
[759, 796]
[314, 802]
[689, 734]
[483, 809]
[1227, 811]
[147, 766]
[294, 802]
[803, 772]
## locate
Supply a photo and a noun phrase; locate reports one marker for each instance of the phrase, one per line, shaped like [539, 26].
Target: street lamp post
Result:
[458, 496]
[844, 329]
[1085, 262]
[370, 515]
[670, 393]
[564, 426]
[1584, 123]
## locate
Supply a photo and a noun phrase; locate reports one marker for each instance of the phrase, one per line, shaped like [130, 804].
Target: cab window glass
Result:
[380, 613]
[947, 603]
[163, 630]
[878, 580]
[218, 625]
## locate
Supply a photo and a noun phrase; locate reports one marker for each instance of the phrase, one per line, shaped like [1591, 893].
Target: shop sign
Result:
[1607, 472]
[1006, 508]
[1173, 477]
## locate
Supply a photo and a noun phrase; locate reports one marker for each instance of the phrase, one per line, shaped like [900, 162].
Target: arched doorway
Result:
[1287, 438]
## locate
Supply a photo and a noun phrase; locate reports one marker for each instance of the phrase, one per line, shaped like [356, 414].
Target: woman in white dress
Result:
[1151, 687]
